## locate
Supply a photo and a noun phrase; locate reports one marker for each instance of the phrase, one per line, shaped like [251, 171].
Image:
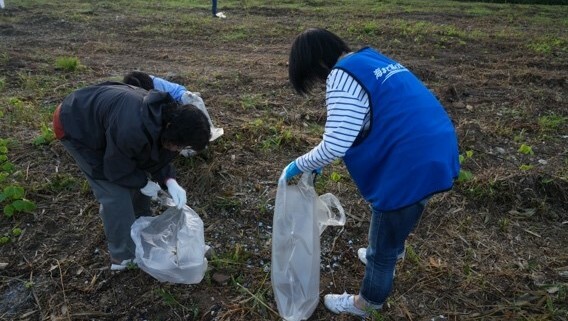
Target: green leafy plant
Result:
[4, 240]
[16, 231]
[16, 102]
[46, 136]
[12, 195]
[525, 149]
[13, 198]
[465, 175]
[411, 255]
[67, 63]
[335, 176]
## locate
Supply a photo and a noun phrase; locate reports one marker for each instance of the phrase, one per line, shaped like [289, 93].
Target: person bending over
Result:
[123, 139]
[178, 92]
[395, 138]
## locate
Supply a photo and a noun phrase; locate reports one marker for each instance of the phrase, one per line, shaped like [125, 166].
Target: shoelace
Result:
[345, 303]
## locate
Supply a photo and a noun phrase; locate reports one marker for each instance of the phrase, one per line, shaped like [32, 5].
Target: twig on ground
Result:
[63, 289]
[256, 298]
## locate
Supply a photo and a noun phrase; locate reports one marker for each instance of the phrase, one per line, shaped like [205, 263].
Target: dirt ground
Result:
[493, 248]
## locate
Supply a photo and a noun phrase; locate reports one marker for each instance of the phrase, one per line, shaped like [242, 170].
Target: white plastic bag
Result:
[195, 99]
[171, 246]
[300, 216]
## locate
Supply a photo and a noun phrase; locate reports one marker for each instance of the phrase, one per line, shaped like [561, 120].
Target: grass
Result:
[231, 260]
[551, 123]
[505, 61]
[68, 64]
[268, 134]
[169, 299]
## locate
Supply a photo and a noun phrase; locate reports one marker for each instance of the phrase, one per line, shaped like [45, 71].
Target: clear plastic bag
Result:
[171, 246]
[300, 216]
[195, 99]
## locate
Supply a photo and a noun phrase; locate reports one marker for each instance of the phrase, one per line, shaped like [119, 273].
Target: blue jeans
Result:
[214, 7]
[387, 233]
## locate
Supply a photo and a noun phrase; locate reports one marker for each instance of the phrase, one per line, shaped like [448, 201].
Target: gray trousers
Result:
[119, 207]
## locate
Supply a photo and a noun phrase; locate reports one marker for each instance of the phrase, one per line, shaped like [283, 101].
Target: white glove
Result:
[151, 189]
[187, 152]
[176, 192]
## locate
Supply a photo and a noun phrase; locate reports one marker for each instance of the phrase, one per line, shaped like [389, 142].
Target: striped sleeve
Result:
[347, 111]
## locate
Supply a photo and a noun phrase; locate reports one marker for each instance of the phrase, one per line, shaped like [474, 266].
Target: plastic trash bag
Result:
[171, 246]
[195, 99]
[300, 216]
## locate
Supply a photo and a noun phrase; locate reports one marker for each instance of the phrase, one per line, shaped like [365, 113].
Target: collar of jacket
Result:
[152, 117]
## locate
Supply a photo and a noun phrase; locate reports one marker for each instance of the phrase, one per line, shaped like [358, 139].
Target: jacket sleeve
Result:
[163, 174]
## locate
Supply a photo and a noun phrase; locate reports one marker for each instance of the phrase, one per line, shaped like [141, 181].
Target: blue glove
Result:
[317, 171]
[291, 170]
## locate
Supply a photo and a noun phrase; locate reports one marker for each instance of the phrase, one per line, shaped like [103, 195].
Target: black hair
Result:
[139, 79]
[185, 126]
[314, 53]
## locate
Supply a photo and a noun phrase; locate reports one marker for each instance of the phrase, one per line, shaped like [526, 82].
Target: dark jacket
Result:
[116, 128]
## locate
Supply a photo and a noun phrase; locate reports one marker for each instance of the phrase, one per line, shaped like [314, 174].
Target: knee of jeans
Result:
[382, 259]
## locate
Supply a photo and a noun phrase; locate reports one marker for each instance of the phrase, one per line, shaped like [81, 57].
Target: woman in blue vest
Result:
[395, 138]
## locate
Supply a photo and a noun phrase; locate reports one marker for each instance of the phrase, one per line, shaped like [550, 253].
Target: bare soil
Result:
[493, 248]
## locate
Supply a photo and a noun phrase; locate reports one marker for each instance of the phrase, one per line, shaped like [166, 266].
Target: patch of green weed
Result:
[46, 136]
[68, 64]
[551, 123]
[548, 45]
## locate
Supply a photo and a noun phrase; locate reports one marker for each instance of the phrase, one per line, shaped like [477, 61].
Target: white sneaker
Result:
[122, 266]
[362, 255]
[343, 303]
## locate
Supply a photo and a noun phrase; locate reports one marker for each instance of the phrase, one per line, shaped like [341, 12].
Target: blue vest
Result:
[410, 150]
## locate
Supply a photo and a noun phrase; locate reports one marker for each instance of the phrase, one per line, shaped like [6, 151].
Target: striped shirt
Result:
[348, 112]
